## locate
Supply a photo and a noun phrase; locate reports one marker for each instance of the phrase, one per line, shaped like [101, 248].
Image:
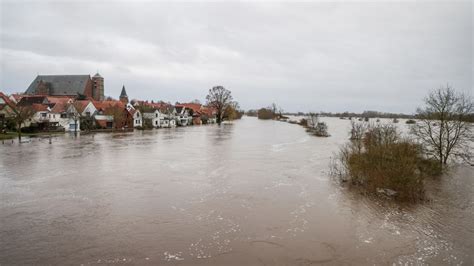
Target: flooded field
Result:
[248, 193]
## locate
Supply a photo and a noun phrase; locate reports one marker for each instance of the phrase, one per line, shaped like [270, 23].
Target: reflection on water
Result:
[252, 192]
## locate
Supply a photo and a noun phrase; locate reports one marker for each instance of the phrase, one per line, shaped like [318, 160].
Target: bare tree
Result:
[358, 131]
[219, 98]
[442, 127]
[280, 112]
[21, 114]
[274, 109]
[313, 119]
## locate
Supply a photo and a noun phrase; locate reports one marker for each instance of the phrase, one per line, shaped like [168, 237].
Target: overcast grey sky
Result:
[331, 56]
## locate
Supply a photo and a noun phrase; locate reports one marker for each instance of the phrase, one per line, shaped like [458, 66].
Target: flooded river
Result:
[248, 193]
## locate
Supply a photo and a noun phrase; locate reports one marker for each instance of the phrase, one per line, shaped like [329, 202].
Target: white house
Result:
[155, 118]
[62, 114]
[86, 108]
[167, 122]
[73, 119]
[40, 115]
[59, 117]
[182, 116]
[137, 118]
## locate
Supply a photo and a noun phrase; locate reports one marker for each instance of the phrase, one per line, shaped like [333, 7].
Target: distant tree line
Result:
[368, 114]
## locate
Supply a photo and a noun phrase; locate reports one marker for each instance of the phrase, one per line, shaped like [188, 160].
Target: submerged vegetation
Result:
[266, 113]
[315, 127]
[379, 160]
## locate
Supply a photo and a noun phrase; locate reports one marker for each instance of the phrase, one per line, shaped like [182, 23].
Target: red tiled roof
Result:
[196, 107]
[58, 99]
[59, 108]
[17, 96]
[209, 111]
[80, 105]
[104, 105]
[39, 107]
[154, 105]
[29, 100]
[7, 100]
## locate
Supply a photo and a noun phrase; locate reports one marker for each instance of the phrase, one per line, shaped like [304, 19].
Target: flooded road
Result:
[248, 193]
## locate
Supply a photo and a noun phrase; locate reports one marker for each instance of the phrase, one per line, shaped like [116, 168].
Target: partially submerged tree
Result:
[21, 114]
[232, 112]
[442, 126]
[219, 98]
[276, 110]
[316, 127]
[313, 119]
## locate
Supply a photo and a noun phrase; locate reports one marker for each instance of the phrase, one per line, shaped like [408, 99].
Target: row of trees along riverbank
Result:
[378, 160]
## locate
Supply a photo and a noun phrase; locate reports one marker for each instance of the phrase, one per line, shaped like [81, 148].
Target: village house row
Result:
[63, 102]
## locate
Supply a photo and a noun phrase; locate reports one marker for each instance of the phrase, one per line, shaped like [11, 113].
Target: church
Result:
[68, 85]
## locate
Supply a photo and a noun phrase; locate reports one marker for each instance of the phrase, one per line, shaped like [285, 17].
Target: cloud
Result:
[330, 56]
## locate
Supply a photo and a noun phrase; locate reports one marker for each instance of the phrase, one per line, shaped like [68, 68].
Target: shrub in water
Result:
[265, 113]
[381, 162]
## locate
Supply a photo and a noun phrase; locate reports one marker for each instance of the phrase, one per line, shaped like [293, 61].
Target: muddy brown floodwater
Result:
[248, 193]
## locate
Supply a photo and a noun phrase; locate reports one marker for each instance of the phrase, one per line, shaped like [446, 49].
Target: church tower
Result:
[123, 95]
[98, 87]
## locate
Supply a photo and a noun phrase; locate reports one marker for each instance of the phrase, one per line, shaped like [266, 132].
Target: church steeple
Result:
[123, 95]
[98, 87]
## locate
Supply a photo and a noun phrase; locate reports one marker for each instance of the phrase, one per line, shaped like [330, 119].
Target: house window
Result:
[49, 115]
[43, 114]
[88, 113]
[156, 115]
[63, 115]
